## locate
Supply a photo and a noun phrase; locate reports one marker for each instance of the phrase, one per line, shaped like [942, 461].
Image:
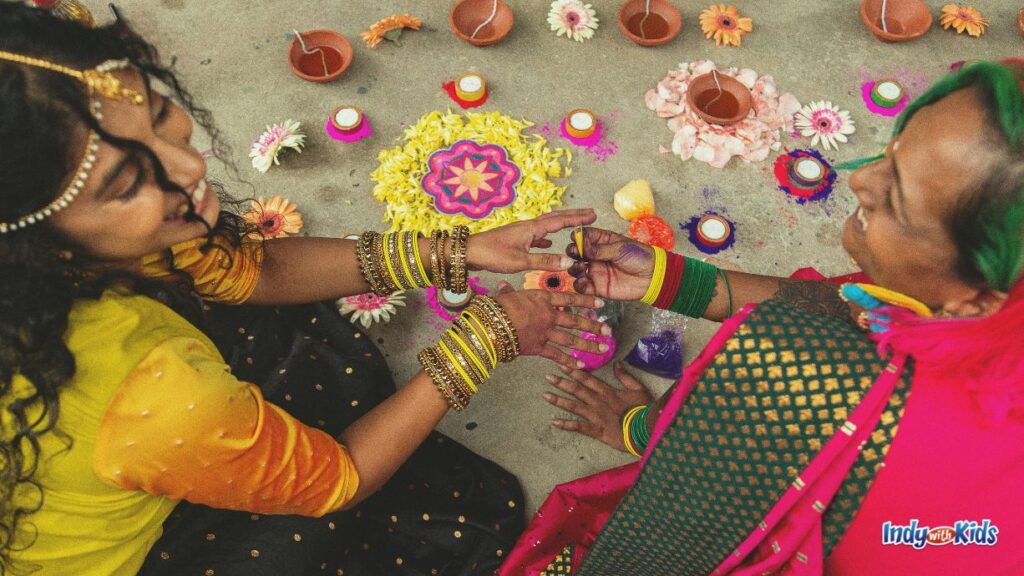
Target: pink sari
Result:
[789, 539]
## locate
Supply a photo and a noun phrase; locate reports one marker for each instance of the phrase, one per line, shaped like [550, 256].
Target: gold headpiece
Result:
[100, 81]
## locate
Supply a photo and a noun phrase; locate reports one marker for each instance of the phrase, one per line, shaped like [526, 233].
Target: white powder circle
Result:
[889, 90]
[713, 229]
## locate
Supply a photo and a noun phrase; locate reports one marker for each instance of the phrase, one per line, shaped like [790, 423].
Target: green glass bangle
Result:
[696, 288]
[638, 432]
[728, 289]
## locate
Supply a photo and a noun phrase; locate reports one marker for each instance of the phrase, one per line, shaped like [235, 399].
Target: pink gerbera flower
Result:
[266, 148]
[370, 308]
[825, 122]
[573, 18]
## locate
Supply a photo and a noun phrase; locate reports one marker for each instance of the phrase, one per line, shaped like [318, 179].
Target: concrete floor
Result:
[231, 56]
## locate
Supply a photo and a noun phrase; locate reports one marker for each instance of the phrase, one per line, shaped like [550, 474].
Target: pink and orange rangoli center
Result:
[471, 178]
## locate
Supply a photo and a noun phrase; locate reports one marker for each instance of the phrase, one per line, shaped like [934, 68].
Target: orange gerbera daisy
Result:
[963, 18]
[274, 218]
[725, 24]
[390, 28]
[551, 281]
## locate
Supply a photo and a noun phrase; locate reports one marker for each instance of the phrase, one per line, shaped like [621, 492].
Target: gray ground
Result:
[231, 55]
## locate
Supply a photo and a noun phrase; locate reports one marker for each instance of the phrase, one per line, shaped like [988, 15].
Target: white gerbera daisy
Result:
[822, 121]
[268, 145]
[369, 308]
[573, 18]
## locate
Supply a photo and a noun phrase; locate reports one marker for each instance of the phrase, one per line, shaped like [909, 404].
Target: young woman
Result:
[872, 429]
[146, 430]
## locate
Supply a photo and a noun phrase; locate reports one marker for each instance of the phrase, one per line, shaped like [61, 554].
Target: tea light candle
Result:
[807, 171]
[453, 300]
[713, 230]
[346, 118]
[580, 123]
[887, 93]
[470, 87]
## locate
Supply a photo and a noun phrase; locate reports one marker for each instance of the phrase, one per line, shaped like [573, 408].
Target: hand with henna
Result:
[613, 266]
[598, 405]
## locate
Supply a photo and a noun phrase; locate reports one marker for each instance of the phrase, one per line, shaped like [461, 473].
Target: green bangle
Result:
[728, 289]
[638, 433]
[696, 288]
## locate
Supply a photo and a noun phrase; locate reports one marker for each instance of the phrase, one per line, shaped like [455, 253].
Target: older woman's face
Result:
[122, 213]
[899, 234]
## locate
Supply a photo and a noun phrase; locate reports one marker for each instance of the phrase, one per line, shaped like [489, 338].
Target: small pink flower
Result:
[370, 308]
[573, 19]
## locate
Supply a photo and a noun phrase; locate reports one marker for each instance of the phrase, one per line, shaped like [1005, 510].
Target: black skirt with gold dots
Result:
[447, 511]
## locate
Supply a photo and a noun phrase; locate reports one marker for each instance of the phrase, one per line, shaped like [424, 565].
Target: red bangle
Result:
[673, 277]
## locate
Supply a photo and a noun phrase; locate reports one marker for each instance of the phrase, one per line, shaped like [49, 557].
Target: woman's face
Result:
[899, 234]
[122, 212]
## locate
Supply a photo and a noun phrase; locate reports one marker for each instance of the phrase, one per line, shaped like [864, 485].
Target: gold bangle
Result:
[367, 266]
[460, 239]
[390, 255]
[424, 280]
[502, 319]
[408, 260]
[435, 370]
[478, 340]
[386, 284]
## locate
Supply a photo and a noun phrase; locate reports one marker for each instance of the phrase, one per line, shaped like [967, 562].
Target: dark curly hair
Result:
[39, 111]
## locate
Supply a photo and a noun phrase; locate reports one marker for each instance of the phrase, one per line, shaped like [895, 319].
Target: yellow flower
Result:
[963, 18]
[380, 29]
[274, 218]
[725, 24]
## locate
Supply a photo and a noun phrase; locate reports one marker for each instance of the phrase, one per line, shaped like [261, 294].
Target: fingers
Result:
[592, 383]
[558, 356]
[568, 340]
[581, 426]
[562, 219]
[571, 387]
[628, 380]
[571, 299]
[542, 243]
[549, 262]
[504, 287]
[581, 323]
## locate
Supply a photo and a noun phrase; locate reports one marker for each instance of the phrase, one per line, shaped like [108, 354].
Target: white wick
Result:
[494, 12]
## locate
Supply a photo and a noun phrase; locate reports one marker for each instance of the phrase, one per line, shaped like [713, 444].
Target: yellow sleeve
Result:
[182, 426]
[223, 273]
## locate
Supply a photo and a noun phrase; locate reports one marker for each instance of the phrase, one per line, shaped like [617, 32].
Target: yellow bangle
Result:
[419, 259]
[455, 363]
[479, 332]
[468, 353]
[625, 429]
[658, 278]
[405, 265]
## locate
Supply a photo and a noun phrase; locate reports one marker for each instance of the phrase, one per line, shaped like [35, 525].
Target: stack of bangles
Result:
[634, 430]
[391, 262]
[683, 285]
[469, 351]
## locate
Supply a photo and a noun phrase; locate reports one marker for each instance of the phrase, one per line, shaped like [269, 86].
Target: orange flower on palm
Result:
[964, 19]
[274, 218]
[725, 24]
[390, 28]
[551, 281]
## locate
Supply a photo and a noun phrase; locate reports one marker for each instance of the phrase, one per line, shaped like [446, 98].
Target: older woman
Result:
[872, 429]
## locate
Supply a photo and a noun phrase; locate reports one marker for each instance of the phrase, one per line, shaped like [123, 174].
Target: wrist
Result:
[634, 430]
[657, 281]
[474, 259]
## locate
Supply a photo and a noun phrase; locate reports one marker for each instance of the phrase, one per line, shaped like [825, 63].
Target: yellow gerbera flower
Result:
[725, 24]
[963, 18]
[390, 28]
[274, 218]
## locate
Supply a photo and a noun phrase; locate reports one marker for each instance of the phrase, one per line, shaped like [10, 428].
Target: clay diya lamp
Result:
[580, 123]
[713, 230]
[719, 98]
[480, 22]
[887, 93]
[471, 88]
[654, 28]
[1020, 21]
[319, 55]
[903, 19]
[347, 119]
[807, 171]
